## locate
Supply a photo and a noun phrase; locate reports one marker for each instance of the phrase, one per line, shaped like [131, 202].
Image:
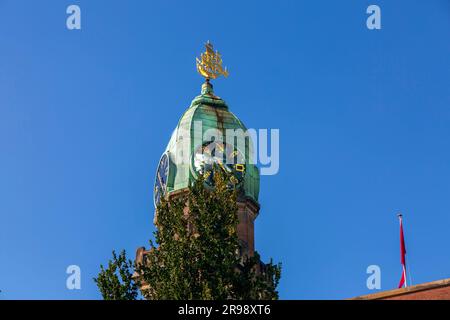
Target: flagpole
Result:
[406, 277]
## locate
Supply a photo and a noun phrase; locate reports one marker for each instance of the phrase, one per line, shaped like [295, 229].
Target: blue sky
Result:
[363, 117]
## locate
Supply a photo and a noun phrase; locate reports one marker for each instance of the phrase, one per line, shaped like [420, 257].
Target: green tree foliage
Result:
[197, 254]
[116, 282]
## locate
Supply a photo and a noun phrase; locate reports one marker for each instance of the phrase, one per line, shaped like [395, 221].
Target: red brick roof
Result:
[436, 290]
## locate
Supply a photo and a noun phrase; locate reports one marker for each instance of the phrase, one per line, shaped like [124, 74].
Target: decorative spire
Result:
[209, 65]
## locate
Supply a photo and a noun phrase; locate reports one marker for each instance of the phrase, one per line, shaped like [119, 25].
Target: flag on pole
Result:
[402, 254]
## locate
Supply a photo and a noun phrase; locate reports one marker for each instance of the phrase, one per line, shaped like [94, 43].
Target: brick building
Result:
[436, 290]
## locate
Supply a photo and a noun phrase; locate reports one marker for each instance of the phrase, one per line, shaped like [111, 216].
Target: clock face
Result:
[223, 155]
[162, 173]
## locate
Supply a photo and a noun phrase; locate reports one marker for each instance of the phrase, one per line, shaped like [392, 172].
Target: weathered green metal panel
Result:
[214, 114]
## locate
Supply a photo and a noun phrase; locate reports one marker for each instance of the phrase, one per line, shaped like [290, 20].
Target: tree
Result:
[116, 282]
[197, 252]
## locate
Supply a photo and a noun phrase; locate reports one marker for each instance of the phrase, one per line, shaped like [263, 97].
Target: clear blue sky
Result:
[364, 119]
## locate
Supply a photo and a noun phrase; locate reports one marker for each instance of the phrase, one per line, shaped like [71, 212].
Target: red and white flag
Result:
[402, 254]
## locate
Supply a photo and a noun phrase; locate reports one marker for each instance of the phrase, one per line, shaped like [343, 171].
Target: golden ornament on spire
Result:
[210, 63]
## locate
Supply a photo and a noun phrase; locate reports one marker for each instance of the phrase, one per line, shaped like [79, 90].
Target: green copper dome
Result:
[207, 113]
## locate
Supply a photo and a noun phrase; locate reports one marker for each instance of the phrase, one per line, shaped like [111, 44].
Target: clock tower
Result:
[209, 135]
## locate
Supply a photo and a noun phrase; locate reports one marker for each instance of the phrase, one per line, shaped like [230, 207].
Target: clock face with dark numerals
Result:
[162, 173]
[221, 155]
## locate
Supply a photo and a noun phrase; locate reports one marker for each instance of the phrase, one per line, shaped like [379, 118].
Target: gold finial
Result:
[210, 63]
